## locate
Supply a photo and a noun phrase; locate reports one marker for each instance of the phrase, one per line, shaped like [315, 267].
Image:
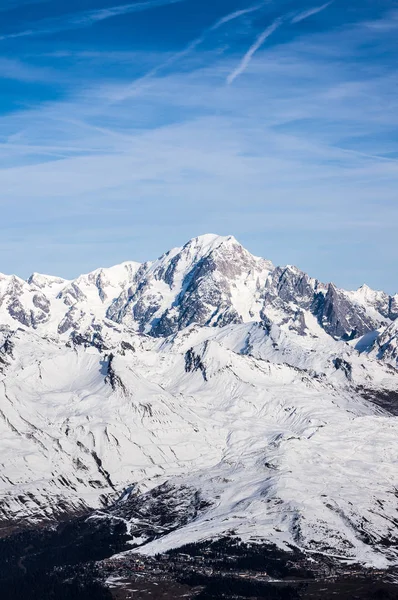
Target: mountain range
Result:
[204, 394]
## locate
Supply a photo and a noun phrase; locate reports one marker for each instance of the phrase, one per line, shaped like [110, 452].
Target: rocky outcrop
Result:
[386, 345]
[340, 317]
[211, 281]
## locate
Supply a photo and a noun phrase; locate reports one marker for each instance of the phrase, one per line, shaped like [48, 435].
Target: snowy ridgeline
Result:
[211, 281]
[243, 397]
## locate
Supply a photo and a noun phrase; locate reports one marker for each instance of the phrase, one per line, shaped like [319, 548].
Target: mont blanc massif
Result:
[205, 396]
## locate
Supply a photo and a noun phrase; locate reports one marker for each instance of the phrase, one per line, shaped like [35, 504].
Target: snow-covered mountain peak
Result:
[269, 392]
[203, 247]
[41, 281]
[203, 244]
[114, 275]
[293, 269]
[10, 280]
[210, 281]
[366, 294]
[364, 289]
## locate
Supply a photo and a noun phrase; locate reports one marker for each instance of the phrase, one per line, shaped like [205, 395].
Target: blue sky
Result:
[128, 128]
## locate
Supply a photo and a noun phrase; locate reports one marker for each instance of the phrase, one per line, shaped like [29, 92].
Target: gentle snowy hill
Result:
[261, 400]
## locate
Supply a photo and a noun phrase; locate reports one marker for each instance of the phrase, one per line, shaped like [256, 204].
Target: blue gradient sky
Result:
[126, 129]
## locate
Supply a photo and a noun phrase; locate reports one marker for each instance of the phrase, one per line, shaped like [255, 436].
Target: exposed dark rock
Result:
[193, 362]
[72, 294]
[89, 339]
[386, 399]
[291, 285]
[112, 378]
[343, 365]
[339, 316]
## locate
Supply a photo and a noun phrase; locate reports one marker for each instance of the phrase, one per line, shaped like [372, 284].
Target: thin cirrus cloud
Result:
[86, 18]
[244, 63]
[309, 13]
[138, 85]
[9, 5]
[292, 160]
[17, 70]
[386, 24]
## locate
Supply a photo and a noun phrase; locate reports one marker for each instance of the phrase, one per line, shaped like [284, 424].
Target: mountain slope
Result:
[212, 280]
[261, 400]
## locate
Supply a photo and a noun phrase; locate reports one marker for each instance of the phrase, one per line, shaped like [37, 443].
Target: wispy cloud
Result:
[138, 84]
[244, 63]
[8, 5]
[386, 24]
[15, 69]
[85, 18]
[309, 13]
[305, 150]
[115, 11]
[237, 14]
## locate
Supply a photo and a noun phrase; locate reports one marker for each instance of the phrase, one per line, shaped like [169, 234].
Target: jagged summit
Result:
[207, 374]
[210, 241]
[41, 281]
[211, 281]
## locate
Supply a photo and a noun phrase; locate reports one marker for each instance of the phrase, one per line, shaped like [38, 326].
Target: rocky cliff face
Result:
[385, 346]
[211, 281]
[207, 374]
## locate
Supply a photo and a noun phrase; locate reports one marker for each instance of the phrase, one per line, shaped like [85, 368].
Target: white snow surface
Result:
[267, 419]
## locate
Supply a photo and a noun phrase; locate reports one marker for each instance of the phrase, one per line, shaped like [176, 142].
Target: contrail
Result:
[135, 87]
[236, 14]
[87, 18]
[244, 63]
[310, 12]
[114, 11]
